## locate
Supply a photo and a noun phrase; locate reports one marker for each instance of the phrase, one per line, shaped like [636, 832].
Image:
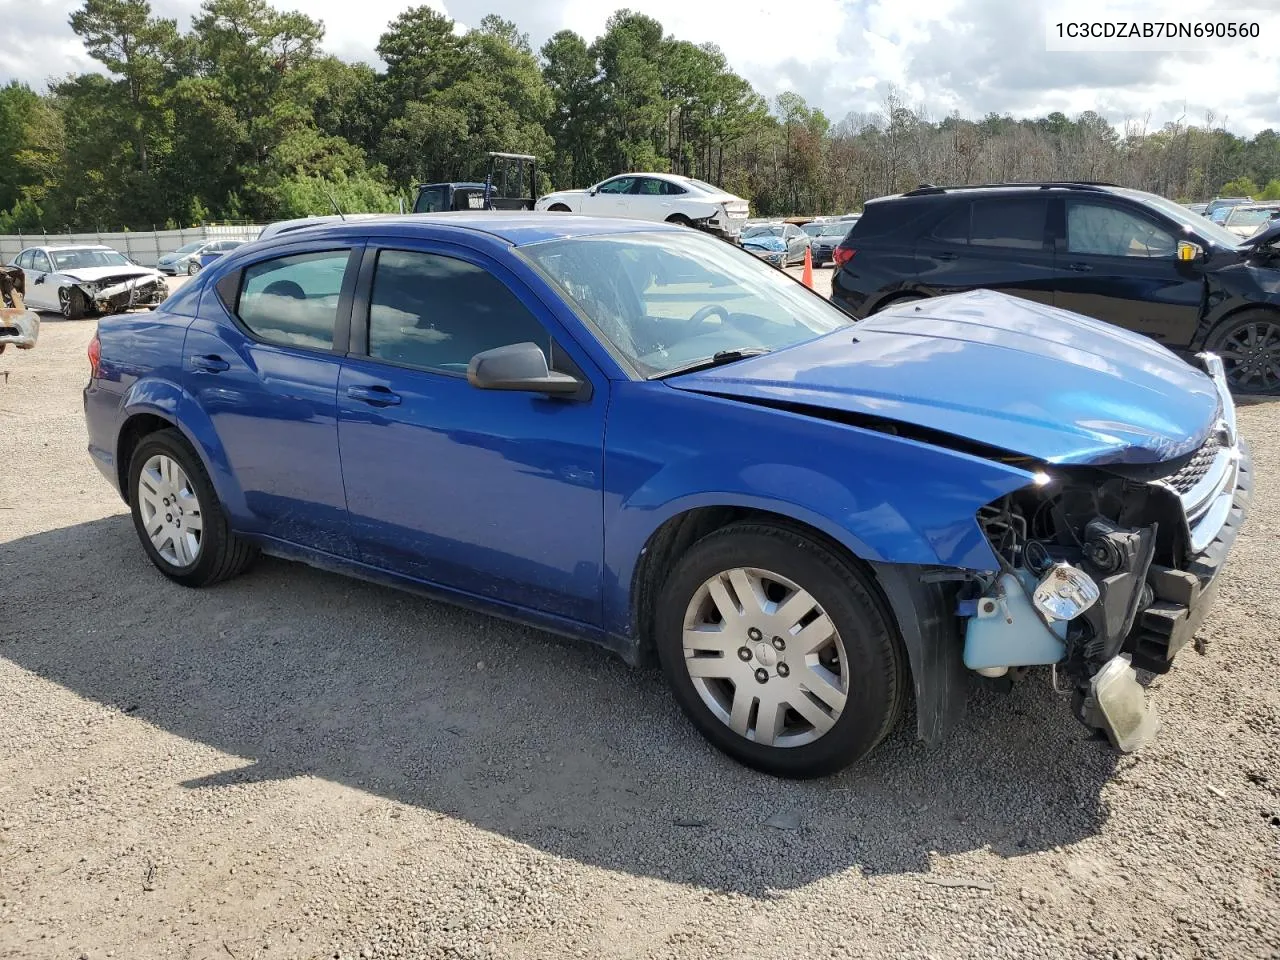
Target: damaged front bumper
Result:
[127, 295]
[1149, 556]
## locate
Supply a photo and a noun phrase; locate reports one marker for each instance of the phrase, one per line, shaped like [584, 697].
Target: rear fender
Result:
[167, 400]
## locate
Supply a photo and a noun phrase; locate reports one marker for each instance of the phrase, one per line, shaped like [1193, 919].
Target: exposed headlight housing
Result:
[1064, 592]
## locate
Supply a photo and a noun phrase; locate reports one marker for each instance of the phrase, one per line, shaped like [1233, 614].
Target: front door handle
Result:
[210, 364]
[378, 396]
[1080, 267]
[944, 256]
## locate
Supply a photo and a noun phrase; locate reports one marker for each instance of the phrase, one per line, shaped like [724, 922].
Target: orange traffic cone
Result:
[807, 276]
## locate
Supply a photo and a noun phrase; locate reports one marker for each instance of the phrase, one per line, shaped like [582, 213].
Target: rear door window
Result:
[293, 301]
[954, 227]
[1012, 223]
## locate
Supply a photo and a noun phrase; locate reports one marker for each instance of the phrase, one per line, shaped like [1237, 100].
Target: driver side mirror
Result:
[518, 366]
[1188, 251]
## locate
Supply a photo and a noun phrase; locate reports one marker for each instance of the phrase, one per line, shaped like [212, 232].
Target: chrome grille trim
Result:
[1207, 502]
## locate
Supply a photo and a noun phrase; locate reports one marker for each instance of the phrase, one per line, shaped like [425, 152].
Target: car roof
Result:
[517, 228]
[73, 246]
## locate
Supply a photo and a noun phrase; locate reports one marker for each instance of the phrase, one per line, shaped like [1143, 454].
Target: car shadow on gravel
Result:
[549, 743]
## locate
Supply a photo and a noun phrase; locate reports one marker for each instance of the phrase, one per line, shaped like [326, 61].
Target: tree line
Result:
[244, 117]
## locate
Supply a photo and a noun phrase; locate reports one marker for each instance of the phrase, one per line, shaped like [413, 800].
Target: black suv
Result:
[1124, 256]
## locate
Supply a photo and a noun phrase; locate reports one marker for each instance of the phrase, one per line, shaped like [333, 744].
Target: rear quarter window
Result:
[293, 300]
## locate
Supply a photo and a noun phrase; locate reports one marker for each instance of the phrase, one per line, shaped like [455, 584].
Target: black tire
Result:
[222, 554]
[876, 662]
[559, 208]
[192, 268]
[72, 303]
[680, 220]
[1248, 366]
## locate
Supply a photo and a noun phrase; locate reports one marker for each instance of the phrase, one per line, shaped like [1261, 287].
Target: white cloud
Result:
[974, 56]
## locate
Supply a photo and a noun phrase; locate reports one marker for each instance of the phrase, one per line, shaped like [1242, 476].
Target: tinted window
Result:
[621, 185]
[1094, 228]
[24, 260]
[294, 300]
[40, 261]
[954, 227]
[431, 201]
[431, 311]
[670, 189]
[649, 187]
[1016, 224]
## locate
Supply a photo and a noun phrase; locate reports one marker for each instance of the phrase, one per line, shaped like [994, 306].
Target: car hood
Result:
[764, 243]
[1265, 237]
[994, 370]
[101, 273]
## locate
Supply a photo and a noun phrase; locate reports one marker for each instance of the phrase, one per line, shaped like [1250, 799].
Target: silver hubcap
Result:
[170, 510]
[765, 657]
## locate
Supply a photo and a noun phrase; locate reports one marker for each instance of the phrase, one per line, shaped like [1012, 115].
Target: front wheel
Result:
[192, 268]
[72, 303]
[1249, 345]
[177, 514]
[779, 651]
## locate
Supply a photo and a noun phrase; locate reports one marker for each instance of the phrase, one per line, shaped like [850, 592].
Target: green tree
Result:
[124, 37]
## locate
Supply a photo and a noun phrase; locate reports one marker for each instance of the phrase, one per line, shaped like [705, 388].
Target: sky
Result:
[844, 56]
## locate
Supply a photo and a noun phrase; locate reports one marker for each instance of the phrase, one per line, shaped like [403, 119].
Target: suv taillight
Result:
[95, 357]
[842, 255]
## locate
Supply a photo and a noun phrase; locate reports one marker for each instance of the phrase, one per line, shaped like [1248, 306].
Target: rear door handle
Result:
[378, 396]
[209, 364]
[1080, 267]
[944, 256]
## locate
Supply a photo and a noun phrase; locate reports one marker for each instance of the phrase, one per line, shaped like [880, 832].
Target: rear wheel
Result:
[177, 515]
[779, 651]
[680, 220]
[1249, 345]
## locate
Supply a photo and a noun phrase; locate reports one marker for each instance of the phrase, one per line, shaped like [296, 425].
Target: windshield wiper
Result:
[715, 360]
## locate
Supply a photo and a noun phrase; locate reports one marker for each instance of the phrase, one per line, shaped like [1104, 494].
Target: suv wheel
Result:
[1249, 345]
[177, 515]
[780, 652]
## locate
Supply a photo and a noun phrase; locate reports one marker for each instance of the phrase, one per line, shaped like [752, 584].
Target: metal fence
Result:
[146, 247]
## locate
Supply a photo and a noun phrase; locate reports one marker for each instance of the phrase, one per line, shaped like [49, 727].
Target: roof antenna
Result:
[341, 216]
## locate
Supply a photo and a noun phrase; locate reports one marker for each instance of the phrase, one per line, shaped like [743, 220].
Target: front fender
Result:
[167, 400]
[886, 499]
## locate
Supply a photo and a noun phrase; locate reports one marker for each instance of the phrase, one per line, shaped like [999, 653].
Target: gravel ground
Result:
[298, 765]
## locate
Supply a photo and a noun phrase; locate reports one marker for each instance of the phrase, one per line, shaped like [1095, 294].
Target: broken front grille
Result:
[1185, 480]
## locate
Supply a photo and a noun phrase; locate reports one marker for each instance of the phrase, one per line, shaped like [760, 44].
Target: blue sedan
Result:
[638, 435]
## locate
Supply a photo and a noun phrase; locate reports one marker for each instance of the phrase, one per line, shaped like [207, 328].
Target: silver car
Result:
[186, 259]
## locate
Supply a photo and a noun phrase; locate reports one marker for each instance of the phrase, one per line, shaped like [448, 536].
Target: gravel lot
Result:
[298, 765]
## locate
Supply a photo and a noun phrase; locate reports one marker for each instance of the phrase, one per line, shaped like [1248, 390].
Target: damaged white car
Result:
[79, 280]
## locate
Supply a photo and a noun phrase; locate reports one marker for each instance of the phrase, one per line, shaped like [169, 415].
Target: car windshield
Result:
[1249, 216]
[1190, 222]
[87, 257]
[813, 229]
[763, 231]
[668, 300]
[191, 247]
[835, 229]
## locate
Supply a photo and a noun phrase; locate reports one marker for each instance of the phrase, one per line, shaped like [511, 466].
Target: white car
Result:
[1246, 219]
[655, 196]
[87, 279]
